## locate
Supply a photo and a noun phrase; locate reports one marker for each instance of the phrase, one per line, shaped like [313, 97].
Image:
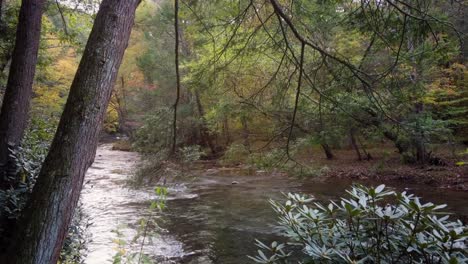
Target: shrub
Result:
[149, 170]
[190, 154]
[267, 160]
[75, 245]
[235, 154]
[277, 159]
[23, 167]
[365, 228]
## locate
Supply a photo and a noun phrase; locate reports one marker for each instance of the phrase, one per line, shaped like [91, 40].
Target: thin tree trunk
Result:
[15, 107]
[245, 133]
[418, 138]
[387, 132]
[43, 225]
[421, 152]
[226, 132]
[363, 147]
[121, 106]
[176, 104]
[458, 18]
[205, 134]
[328, 153]
[402, 147]
[206, 138]
[354, 144]
[326, 148]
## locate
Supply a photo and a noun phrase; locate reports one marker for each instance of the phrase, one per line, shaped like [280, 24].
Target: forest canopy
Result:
[316, 72]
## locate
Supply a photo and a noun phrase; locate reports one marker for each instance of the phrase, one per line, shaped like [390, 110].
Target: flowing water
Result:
[208, 218]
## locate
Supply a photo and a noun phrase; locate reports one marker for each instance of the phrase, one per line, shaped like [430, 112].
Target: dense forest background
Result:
[269, 83]
[304, 86]
[370, 74]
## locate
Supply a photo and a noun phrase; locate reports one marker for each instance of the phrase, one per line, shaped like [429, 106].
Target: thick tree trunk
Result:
[43, 225]
[4, 62]
[15, 107]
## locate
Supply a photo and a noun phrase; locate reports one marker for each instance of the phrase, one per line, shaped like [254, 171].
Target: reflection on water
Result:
[208, 220]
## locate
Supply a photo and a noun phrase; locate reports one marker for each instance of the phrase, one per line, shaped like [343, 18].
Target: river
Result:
[208, 219]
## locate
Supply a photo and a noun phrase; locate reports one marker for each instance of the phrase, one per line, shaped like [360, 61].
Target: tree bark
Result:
[368, 156]
[245, 133]
[4, 62]
[328, 153]
[226, 131]
[15, 107]
[204, 131]
[419, 138]
[43, 225]
[458, 16]
[177, 72]
[1, 14]
[354, 144]
[375, 121]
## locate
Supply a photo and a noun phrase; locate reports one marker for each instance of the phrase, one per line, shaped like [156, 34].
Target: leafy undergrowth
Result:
[22, 171]
[161, 167]
[370, 225]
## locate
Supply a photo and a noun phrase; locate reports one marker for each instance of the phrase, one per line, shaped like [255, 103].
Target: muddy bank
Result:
[393, 171]
[454, 178]
[386, 166]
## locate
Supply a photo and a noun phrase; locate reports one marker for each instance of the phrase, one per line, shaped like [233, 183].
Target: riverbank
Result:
[387, 166]
[384, 167]
[445, 177]
[451, 177]
[448, 177]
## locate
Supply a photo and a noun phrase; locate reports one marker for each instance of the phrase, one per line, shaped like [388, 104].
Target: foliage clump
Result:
[372, 225]
[235, 154]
